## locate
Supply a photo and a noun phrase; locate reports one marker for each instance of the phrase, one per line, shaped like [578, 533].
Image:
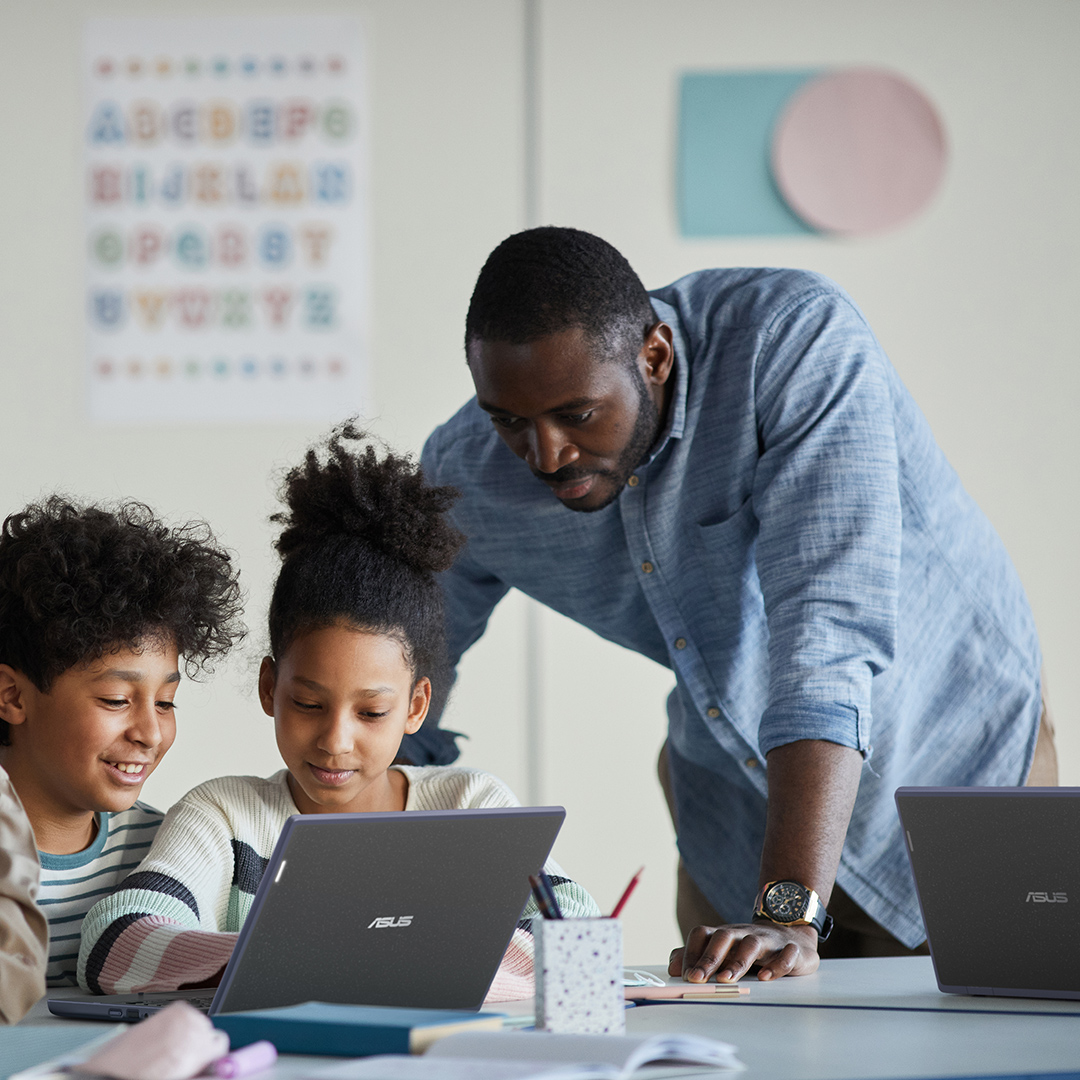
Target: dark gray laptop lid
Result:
[411, 909]
[998, 878]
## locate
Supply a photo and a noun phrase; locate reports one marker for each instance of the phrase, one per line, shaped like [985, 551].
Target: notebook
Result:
[537, 1055]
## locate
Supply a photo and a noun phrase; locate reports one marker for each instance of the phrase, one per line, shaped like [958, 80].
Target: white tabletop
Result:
[888, 982]
[853, 1020]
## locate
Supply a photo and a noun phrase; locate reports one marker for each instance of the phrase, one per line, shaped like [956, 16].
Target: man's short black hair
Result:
[543, 281]
[78, 582]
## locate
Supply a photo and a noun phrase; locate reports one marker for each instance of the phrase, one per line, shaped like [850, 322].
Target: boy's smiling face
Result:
[88, 744]
[341, 700]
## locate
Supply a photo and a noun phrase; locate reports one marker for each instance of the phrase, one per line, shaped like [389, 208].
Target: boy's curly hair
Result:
[80, 581]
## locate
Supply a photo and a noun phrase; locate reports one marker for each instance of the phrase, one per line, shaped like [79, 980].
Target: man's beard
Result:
[646, 428]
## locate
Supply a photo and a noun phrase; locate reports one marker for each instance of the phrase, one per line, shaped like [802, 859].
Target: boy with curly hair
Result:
[97, 606]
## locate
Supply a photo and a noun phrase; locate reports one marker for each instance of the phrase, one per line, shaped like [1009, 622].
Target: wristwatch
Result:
[791, 904]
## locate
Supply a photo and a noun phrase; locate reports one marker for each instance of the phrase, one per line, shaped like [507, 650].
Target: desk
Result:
[894, 982]
[853, 1020]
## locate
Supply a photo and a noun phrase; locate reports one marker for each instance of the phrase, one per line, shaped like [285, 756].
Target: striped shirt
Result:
[72, 884]
[176, 919]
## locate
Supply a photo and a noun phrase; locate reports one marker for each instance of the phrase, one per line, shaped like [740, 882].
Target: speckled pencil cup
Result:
[579, 976]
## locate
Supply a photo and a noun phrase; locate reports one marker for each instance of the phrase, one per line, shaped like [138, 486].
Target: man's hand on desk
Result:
[728, 952]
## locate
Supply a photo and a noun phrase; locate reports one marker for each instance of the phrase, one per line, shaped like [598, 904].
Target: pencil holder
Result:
[579, 976]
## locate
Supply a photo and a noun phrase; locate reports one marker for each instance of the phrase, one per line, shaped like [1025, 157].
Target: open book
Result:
[538, 1055]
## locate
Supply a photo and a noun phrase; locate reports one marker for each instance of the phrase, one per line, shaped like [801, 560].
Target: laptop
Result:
[411, 909]
[998, 877]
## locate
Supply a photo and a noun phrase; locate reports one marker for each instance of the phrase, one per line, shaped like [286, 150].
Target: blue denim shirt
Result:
[801, 555]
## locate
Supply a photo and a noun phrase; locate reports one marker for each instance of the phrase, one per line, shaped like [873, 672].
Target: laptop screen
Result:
[412, 909]
[998, 877]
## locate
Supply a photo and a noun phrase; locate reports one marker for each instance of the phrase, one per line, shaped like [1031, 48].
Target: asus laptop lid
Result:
[412, 909]
[998, 877]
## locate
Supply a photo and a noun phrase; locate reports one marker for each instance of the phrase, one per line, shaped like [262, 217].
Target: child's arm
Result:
[514, 979]
[164, 926]
[24, 933]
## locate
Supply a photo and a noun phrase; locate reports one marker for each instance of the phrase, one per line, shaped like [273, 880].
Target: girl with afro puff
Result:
[356, 654]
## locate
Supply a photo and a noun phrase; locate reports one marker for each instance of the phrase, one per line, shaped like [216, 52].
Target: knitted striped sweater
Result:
[175, 920]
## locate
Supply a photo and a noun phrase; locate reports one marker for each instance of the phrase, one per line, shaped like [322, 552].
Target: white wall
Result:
[973, 301]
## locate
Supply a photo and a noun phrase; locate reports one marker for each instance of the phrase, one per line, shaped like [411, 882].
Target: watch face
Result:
[786, 902]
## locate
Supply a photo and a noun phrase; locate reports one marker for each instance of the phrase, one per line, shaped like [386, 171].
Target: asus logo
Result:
[1047, 898]
[384, 922]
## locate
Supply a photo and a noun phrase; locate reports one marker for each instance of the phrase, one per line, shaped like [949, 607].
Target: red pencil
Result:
[626, 893]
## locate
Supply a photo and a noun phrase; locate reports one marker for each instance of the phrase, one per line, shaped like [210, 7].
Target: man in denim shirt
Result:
[731, 479]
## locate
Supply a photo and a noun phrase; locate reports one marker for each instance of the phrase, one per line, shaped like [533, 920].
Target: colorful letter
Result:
[108, 247]
[294, 119]
[147, 243]
[315, 240]
[193, 307]
[220, 121]
[107, 124]
[286, 183]
[145, 123]
[208, 184]
[319, 304]
[246, 189]
[139, 185]
[108, 309]
[235, 308]
[105, 185]
[261, 122]
[337, 121]
[192, 249]
[151, 309]
[331, 182]
[231, 246]
[274, 246]
[172, 185]
[185, 126]
[278, 302]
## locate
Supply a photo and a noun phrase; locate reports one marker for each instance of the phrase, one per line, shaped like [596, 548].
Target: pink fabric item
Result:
[514, 980]
[155, 953]
[858, 151]
[175, 1044]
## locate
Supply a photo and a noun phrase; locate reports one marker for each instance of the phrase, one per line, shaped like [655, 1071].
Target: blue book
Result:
[350, 1030]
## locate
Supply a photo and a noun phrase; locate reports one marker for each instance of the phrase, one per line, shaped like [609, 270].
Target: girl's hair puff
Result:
[362, 539]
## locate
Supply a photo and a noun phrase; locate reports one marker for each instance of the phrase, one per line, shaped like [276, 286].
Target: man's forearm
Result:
[812, 789]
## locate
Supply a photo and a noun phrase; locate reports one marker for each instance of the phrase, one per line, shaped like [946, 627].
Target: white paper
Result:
[404, 1067]
[624, 1052]
[225, 179]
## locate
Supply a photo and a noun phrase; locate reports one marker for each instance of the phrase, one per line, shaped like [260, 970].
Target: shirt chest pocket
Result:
[726, 549]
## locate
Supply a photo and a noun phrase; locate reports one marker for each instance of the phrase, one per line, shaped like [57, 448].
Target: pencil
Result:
[549, 890]
[626, 893]
[541, 897]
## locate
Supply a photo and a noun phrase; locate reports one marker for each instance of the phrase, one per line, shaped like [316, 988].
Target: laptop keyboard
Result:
[201, 1003]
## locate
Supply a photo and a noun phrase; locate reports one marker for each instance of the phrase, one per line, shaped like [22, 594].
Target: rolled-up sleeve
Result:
[470, 594]
[826, 496]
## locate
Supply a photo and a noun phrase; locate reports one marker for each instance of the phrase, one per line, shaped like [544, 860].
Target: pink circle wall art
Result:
[858, 151]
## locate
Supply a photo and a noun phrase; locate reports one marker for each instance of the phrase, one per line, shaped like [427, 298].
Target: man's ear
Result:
[12, 695]
[267, 683]
[419, 705]
[657, 356]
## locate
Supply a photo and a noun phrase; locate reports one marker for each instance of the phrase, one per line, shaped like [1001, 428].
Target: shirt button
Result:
[752, 762]
[647, 567]
[633, 481]
[680, 643]
[712, 712]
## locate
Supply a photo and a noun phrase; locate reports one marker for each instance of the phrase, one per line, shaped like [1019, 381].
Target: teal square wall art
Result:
[724, 182]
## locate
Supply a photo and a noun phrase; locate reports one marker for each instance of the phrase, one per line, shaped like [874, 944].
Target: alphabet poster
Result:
[226, 232]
